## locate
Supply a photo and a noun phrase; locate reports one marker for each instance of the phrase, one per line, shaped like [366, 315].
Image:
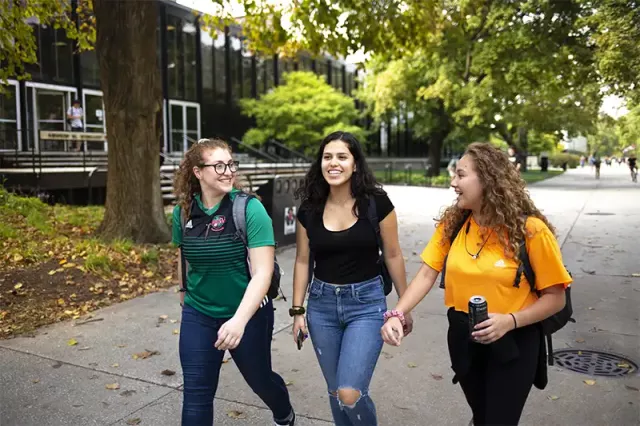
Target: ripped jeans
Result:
[344, 324]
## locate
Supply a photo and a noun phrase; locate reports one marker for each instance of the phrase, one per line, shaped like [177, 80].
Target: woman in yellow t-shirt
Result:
[497, 366]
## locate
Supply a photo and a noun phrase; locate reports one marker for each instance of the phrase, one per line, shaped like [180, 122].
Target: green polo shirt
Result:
[215, 293]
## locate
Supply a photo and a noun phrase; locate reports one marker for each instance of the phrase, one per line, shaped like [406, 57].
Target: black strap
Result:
[456, 231]
[525, 268]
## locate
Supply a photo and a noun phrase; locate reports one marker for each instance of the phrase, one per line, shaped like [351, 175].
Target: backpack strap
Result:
[239, 213]
[525, 268]
[456, 231]
[372, 216]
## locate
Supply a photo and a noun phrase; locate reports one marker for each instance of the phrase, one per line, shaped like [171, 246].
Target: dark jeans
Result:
[201, 363]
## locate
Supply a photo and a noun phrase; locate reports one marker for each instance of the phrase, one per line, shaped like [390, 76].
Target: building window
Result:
[90, 69]
[236, 67]
[9, 122]
[189, 48]
[219, 67]
[175, 68]
[247, 72]
[206, 47]
[184, 124]
[55, 56]
[94, 120]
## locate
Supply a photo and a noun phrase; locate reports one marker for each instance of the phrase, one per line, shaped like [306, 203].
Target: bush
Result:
[557, 160]
[150, 256]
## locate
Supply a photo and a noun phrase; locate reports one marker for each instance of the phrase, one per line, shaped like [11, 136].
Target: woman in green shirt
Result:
[224, 300]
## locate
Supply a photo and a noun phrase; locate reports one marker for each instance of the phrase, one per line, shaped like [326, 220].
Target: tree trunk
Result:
[523, 147]
[437, 138]
[130, 79]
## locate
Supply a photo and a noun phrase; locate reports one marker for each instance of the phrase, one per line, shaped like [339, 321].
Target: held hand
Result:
[230, 334]
[408, 328]
[299, 323]
[392, 332]
[493, 329]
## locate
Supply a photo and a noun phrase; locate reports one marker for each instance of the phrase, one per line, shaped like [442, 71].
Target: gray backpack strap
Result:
[240, 217]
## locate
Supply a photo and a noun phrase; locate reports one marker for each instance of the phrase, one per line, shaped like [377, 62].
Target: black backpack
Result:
[549, 325]
[372, 217]
[239, 214]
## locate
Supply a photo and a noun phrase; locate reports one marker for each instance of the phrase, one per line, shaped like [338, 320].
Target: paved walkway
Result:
[43, 381]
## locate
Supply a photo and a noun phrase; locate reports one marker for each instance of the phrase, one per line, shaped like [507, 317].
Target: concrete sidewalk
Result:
[44, 381]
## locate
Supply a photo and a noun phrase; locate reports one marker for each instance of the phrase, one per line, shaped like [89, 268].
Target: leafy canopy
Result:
[301, 112]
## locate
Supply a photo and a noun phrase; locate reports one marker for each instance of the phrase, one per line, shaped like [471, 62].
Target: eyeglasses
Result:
[221, 168]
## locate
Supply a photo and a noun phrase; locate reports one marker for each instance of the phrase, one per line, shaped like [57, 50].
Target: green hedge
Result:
[557, 160]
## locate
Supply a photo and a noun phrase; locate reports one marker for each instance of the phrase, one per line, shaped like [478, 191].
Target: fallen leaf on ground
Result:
[636, 274]
[176, 331]
[591, 308]
[552, 397]
[580, 340]
[113, 386]
[412, 365]
[235, 414]
[135, 421]
[289, 383]
[163, 317]
[589, 382]
[36, 380]
[52, 272]
[63, 261]
[624, 365]
[18, 286]
[632, 388]
[116, 365]
[436, 377]
[72, 342]
[168, 372]
[146, 354]
[173, 321]
[224, 361]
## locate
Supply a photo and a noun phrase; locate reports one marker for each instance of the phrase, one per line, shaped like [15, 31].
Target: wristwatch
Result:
[296, 310]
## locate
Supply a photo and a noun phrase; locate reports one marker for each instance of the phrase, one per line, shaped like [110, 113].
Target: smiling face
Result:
[208, 177]
[467, 185]
[338, 163]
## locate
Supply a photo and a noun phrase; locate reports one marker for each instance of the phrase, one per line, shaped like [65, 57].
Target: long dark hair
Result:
[315, 189]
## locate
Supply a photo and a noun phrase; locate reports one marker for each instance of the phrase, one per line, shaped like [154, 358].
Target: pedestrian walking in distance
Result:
[476, 245]
[345, 217]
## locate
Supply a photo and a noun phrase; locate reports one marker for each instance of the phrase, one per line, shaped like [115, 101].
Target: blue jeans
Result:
[201, 363]
[344, 324]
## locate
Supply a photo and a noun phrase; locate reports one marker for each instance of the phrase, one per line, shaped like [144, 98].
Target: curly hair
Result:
[314, 191]
[185, 183]
[506, 203]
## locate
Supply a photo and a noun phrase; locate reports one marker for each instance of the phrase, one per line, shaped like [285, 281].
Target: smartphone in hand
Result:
[300, 339]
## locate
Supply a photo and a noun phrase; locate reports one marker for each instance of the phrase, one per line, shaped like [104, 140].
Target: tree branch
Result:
[474, 38]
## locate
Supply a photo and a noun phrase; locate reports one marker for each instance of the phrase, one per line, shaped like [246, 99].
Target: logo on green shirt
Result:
[217, 223]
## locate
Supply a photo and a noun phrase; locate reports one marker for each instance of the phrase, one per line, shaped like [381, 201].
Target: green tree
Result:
[605, 138]
[301, 112]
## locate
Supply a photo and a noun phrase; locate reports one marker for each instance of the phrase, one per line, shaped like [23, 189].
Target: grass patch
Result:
[7, 232]
[122, 246]
[417, 178]
[150, 256]
[532, 176]
[98, 264]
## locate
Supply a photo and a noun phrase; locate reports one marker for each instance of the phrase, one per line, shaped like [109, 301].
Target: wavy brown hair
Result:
[185, 183]
[506, 203]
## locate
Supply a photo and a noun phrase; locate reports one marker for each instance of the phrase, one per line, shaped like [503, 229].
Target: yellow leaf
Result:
[63, 261]
[60, 270]
[116, 365]
[580, 340]
[235, 414]
[17, 258]
[176, 331]
[624, 365]
[36, 380]
[72, 342]
[637, 274]
[289, 383]
[61, 302]
[68, 312]
[113, 386]
[73, 296]
[69, 265]
[412, 365]
[18, 286]
[168, 278]
[553, 397]
[147, 274]
[173, 321]
[590, 382]
[51, 272]
[224, 361]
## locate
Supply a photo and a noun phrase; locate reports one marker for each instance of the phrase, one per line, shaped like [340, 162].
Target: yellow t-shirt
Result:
[492, 274]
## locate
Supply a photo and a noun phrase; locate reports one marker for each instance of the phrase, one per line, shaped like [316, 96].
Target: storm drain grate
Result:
[594, 363]
[600, 214]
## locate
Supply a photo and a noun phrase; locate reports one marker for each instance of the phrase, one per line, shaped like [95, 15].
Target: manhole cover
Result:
[594, 363]
[600, 214]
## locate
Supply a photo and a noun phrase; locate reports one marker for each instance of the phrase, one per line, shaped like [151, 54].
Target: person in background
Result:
[225, 302]
[346, 295]
[498, 361]
[597, 162]
[74, 117]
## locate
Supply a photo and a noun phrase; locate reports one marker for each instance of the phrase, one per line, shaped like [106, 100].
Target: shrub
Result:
[557, 160]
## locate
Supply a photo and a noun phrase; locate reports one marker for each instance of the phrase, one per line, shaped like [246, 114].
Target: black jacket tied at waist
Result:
[462, 349]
